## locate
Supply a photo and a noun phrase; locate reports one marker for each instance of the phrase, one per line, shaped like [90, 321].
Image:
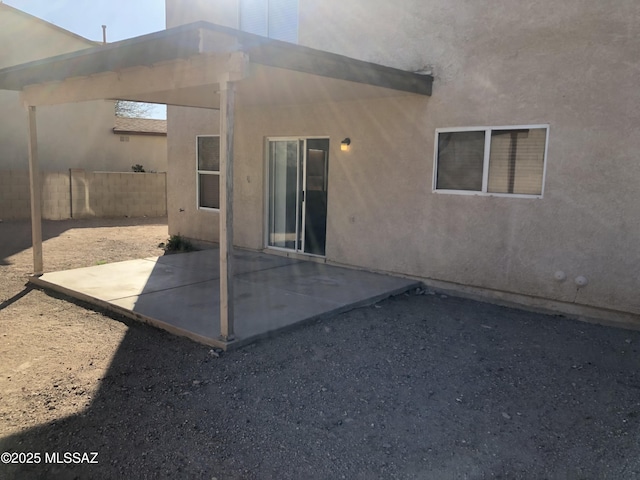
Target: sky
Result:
[123, 18]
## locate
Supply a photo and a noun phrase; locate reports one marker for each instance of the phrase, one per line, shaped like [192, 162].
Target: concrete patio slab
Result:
[181, 293]
[244, 261]
[140, 276]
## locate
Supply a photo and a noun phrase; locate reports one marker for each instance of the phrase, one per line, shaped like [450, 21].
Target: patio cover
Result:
[207, 66]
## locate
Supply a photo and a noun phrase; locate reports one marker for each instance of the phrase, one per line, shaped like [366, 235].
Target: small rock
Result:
[386, 445]
[213, 353]
[506, 416]
[196, 382]
[443, 296]
[628, 340]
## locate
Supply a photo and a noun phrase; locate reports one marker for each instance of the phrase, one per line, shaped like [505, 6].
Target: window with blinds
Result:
[208, 168]
[492, 160]
[270, 18]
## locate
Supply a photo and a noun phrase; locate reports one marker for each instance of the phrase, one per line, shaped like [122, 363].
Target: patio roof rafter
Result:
[178, 67]
[142, 83]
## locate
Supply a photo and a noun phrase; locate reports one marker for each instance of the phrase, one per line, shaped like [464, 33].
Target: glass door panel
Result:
[315, 197]
[283, 193]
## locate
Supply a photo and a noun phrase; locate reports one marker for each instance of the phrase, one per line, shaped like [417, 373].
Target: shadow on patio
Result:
[181, 293]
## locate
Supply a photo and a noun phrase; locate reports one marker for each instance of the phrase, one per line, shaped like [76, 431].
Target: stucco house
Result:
[26, 38]
[517, 180]
[485, 148]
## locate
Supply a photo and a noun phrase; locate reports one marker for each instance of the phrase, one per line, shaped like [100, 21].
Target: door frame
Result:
[300, 223]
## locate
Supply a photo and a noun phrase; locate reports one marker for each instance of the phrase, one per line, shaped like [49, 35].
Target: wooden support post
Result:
[227, 111]
[36, 194]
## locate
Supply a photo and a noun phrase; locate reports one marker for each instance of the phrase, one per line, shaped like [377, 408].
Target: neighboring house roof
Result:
[140, 126]
[26, 15]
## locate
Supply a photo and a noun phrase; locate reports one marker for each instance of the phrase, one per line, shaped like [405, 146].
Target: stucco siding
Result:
[25, 39]
[572, 66]
[184, 218]
[77, 135]
[13, 132]
[382, 213]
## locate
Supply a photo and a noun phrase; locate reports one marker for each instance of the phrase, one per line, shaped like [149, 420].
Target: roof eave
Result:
[189, 40]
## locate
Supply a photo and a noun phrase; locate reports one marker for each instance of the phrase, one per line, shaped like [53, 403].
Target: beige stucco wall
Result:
[25, 39]
[183, 216]
[571, 65]
[76, 135]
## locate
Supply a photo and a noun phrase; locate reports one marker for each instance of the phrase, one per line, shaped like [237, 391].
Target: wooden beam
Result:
[35, 192]
[227, 114]
[166, 45]
[326, 64]
[134, 83]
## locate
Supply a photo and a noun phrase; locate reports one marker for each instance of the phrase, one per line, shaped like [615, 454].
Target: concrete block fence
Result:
[81, 194]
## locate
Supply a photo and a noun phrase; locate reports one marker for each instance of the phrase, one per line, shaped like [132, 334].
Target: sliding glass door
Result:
[298, 183]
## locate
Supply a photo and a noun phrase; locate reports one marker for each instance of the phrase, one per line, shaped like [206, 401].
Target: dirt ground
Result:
[420, 386]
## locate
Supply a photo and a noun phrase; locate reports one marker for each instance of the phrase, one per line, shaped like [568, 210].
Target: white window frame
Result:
[204, 172]
[266, 12]
[485, 165]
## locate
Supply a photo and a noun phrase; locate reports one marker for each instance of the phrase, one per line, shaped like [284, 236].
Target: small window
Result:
[270, 18]
[208, 159]
[492, 160]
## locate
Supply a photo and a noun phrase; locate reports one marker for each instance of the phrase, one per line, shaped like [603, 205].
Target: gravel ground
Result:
[420, 386]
